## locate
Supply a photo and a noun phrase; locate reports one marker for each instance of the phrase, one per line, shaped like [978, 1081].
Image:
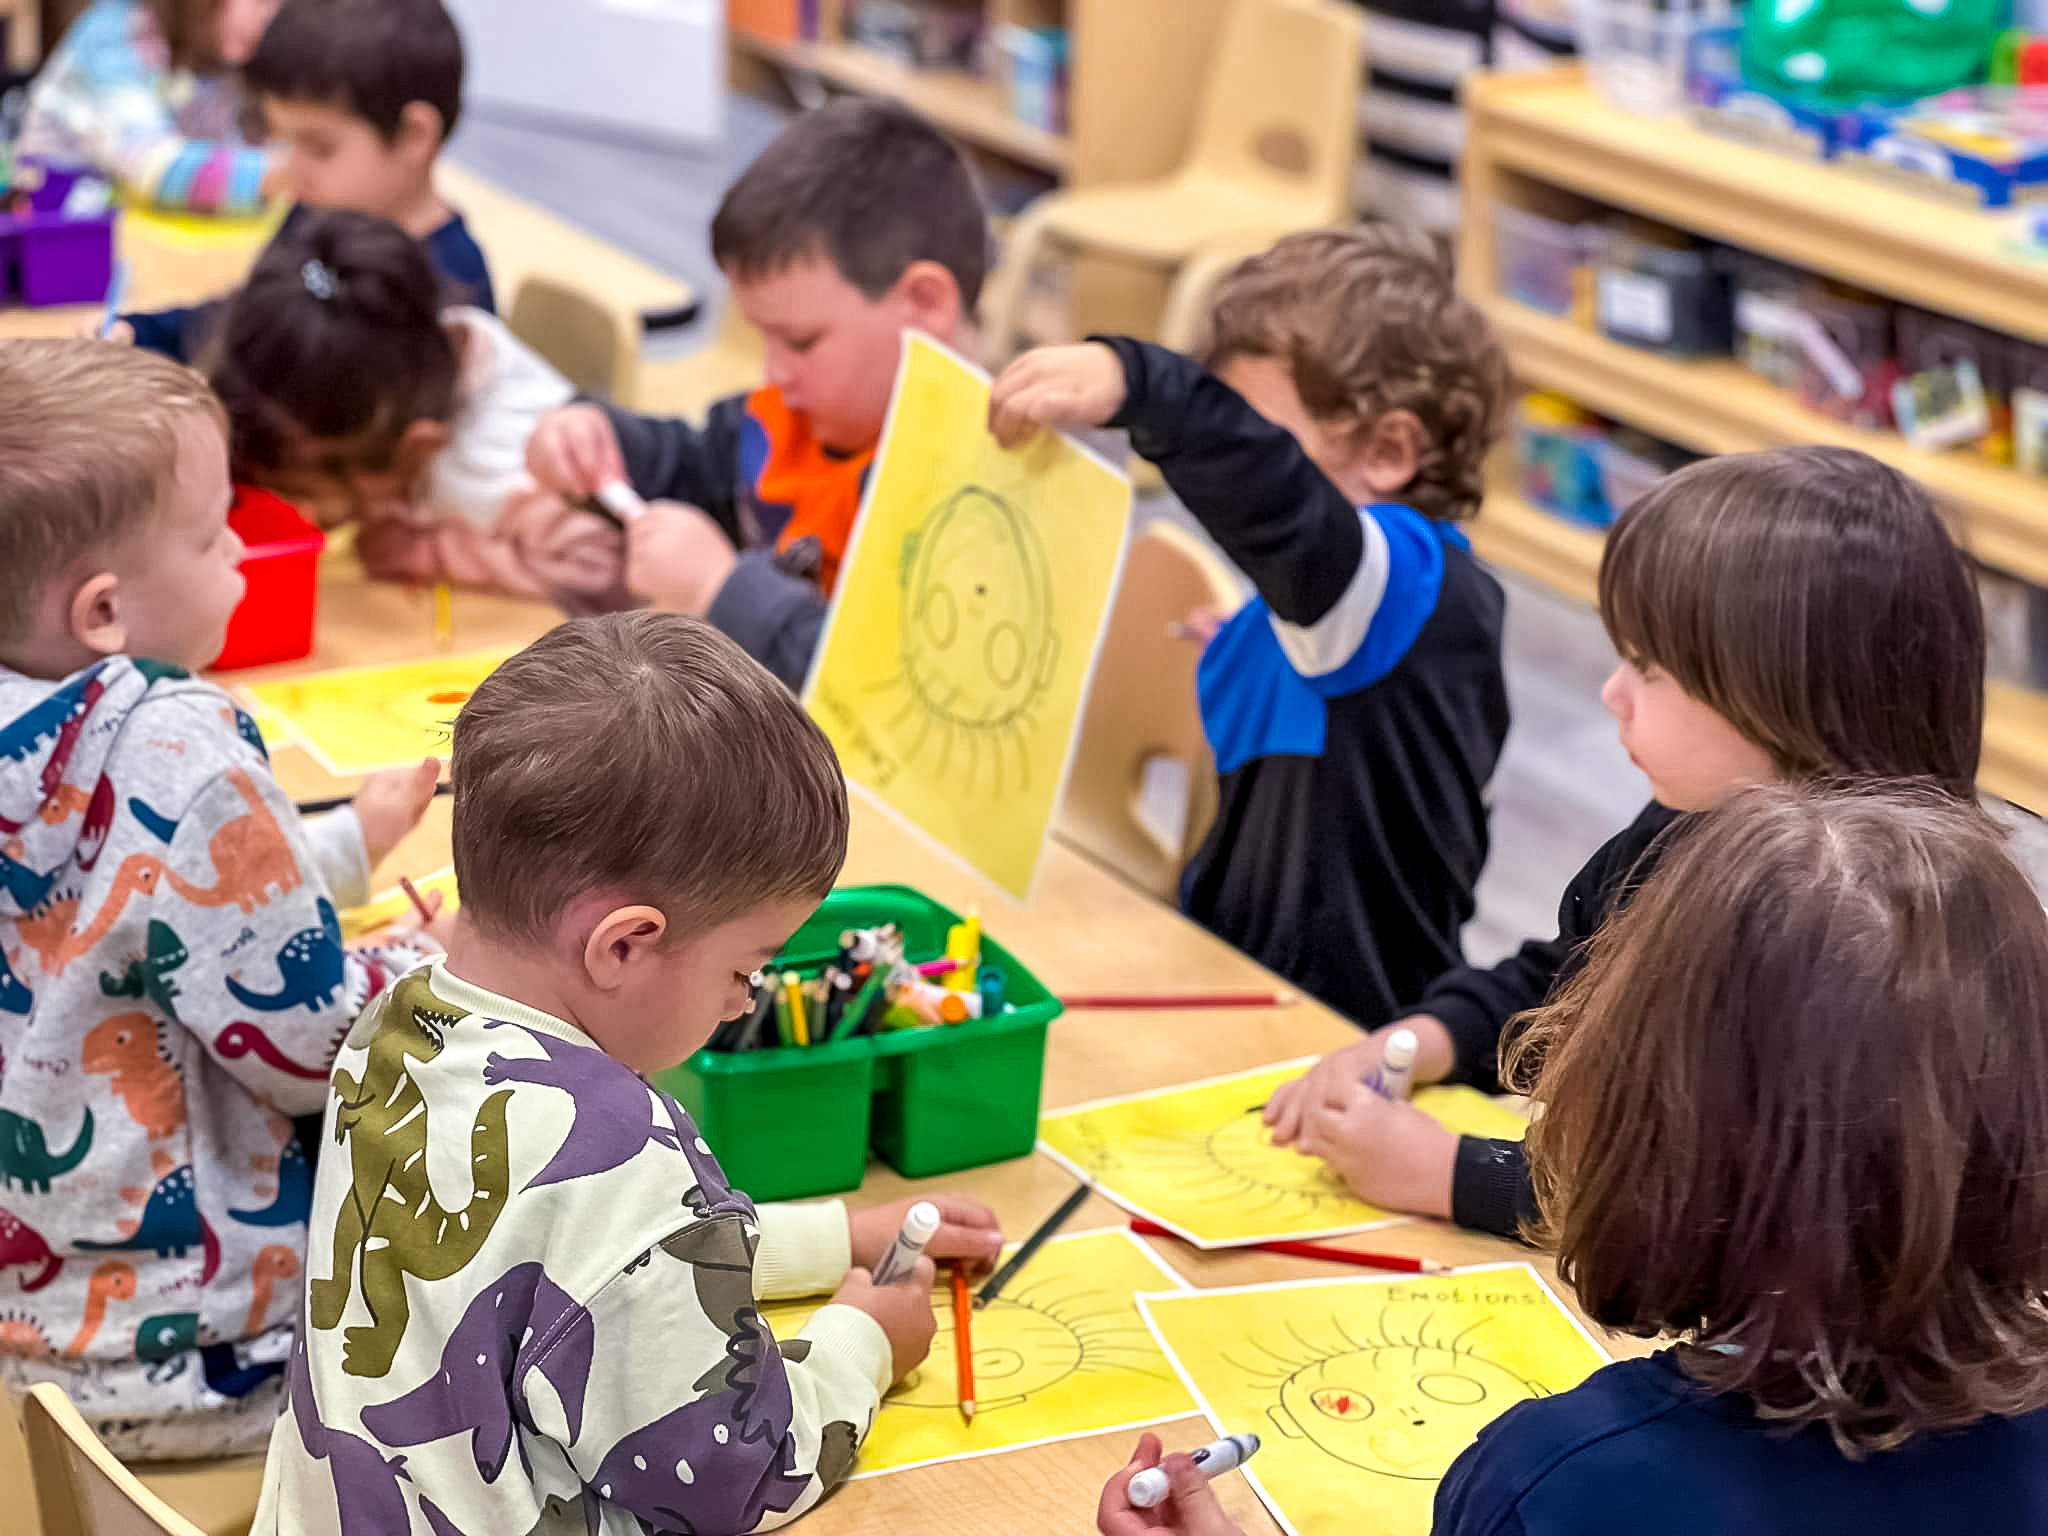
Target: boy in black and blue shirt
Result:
[1356, 706]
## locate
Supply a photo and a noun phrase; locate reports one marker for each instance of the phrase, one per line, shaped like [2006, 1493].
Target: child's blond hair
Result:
[88, 455]
[1369, 320]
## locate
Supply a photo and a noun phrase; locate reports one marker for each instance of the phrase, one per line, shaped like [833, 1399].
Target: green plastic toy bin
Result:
[798, 1122]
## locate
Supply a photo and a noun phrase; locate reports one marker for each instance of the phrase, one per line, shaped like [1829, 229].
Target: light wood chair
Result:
[1142, 711]
[82, 1489]
[579, 335]
[1276, 134]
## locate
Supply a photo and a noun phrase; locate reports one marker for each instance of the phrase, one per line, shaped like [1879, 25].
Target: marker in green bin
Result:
[862, 1005]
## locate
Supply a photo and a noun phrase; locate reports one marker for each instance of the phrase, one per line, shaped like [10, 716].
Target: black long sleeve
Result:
[1247, 481]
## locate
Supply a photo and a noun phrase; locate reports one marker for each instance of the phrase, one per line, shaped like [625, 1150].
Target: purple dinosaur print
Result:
[365, 1481]
[614, 1110]
[523, 1322]
[713, 1194]
[681, 1475]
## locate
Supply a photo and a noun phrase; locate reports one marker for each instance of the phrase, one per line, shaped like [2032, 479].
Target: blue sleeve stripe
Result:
[1415, 580]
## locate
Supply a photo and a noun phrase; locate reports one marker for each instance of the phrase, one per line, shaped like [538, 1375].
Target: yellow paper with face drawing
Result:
[1363, 1392]
[1061, 1352]
[361, 719]
[966, 619]
[1199, 1159]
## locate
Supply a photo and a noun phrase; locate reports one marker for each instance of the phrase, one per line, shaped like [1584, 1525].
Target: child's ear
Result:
[417, 446]
[624, 938]
[419, 135]
[94, 615]
[1389, 452]
[930, 298]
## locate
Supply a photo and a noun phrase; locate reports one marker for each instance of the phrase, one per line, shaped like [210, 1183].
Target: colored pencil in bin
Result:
[793, 989]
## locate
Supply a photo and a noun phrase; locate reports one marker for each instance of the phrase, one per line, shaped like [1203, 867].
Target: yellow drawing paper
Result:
[394, 906]
[966, 619]
[1199, 1159]
[362, 719]
[1061, 1352]
[1363, 1392]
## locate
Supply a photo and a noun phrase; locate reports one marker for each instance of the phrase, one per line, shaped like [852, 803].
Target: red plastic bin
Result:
[282, 564]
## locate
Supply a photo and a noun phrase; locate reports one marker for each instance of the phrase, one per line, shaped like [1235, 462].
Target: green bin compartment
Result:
[793, 1123]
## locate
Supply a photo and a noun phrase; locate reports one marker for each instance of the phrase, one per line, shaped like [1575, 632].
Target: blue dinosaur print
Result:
[614, 1110]
[523, 1322]
[170, 1220]
[312, 965]
[162, 828]
[25, 888]
[150, 976]
[294, 1202]
[26, 732]
[25, 1156]
[245, 727]
[14, 997]
[166, 1336]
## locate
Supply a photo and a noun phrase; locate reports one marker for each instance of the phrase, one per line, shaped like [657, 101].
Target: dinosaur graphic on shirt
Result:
[312, 965]
[250, 853]
[48, 929]
[128, 1047]
[25, 1156]
[389, 1217]
[166, 1336]
[60, 716]
[21, 1244]
[241, 1038]
[149, 976]
[14, 997]
[294, 1202]
[170, 1222]
[613, 1109]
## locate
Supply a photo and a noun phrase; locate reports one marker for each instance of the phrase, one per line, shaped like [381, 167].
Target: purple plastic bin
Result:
[64, 261]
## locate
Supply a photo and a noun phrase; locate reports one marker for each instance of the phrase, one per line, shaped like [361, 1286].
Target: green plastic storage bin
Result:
[792, 1123]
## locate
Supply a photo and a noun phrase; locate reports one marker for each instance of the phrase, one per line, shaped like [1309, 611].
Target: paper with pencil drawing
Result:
[1199, 1159]
[1364, 1391]
[966, 619]
[1061, 1352]
[361, 719]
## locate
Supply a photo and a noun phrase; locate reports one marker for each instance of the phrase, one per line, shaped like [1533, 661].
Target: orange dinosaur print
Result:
[48, 930]
[126, 1047]
[274, 1262]
[67, 801]
[112, 1281]
[250, 855]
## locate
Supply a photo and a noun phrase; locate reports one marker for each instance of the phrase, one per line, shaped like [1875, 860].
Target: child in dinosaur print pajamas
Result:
[532, 1297]
[173, 984]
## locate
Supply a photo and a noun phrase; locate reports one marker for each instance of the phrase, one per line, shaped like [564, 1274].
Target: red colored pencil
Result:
[963, 1343]
[1394, 1261]
[419, 904]
[1168, 1001]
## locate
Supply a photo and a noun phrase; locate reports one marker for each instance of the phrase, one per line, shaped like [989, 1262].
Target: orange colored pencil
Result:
[963, 1343]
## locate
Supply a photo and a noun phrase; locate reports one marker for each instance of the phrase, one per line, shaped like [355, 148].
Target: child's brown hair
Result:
[1369, 320]
[1811, 597]
[368, 58]
[331, 350]
[1795, 1109]
[865, 183]
[88, 455]
[190, 32]
[647, 754]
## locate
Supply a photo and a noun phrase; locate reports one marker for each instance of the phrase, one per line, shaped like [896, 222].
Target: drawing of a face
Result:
[977, 644]
[1238, 1162]
[1404, 1410]
[1027, 1342]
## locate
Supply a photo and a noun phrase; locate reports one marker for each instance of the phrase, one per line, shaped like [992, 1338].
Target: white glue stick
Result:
[919, 1224]
[1396, 1076]
[1218, 1456]
[620, 500]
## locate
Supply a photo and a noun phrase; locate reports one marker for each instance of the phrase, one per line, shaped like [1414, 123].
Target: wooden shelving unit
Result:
[1550, 129]
[965, 106]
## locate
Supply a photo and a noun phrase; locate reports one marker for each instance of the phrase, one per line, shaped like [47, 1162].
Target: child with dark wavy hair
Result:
[351, 391]
[1795, 1116]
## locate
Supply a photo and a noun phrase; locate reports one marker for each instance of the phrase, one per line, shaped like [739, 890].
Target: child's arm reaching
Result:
[580, 449]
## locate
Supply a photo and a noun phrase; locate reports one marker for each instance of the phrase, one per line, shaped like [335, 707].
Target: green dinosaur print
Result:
[389, 1216]
[25, 1156]
[150, 976]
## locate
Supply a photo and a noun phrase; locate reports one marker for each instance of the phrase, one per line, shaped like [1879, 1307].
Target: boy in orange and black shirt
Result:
[859, 223]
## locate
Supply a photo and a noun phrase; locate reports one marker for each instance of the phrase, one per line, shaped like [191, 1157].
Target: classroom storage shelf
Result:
[1550, 128]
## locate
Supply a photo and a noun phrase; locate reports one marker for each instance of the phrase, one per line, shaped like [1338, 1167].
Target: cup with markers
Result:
[890, 1025]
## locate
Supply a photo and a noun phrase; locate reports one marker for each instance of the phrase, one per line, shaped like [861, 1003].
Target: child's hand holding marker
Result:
[575, 453]
[1189, 1507]
[967, 1231]
[904, 1311]
[1292, 1102]
[1387, 1150]
[1057, 387]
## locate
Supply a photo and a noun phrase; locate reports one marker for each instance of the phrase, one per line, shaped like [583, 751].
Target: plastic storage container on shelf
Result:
[281, 560]
[1539, 259]
[1637, 51]
[800, 1121]
[1669, 299]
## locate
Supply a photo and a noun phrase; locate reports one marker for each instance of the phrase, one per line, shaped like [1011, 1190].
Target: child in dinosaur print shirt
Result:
[173, 985]
[532, 1296]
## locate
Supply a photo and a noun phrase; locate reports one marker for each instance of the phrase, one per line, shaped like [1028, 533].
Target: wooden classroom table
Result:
[1084, 930]
[180, 260]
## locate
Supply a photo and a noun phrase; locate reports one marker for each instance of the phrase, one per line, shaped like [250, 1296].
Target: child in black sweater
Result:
[1356, 706]
[1792, 615]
